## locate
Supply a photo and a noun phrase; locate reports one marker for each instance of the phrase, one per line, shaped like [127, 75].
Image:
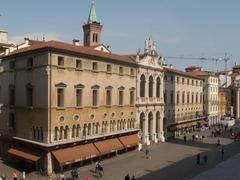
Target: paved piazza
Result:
[170, 160]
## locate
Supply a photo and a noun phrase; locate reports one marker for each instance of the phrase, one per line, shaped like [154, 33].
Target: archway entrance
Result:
[158, 129]
[150, 125]
[142, 125]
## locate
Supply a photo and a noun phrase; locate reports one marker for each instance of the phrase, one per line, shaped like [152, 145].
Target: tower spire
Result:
[92, 18]
[92, 30]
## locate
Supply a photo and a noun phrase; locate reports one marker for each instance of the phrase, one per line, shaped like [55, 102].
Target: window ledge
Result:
[78, 69]
[78, 107]
[61, 67]
[109, 72]
[108, 106]
[94, 107]
[61, 108]
[95, 71]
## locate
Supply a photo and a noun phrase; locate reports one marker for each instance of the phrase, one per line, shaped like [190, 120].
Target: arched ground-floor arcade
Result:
[151, 126]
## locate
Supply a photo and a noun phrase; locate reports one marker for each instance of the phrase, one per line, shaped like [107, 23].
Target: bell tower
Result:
[92, 30]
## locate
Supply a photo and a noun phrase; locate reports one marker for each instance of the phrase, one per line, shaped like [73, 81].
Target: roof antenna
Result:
[43, 37]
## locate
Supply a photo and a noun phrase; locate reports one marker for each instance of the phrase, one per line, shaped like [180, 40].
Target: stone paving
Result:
[170, 160]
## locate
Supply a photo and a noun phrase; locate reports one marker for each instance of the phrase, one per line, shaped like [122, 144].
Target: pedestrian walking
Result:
[127, 177]
[61, 176]
[14, 175]
[185, 138]
[86, 178]
[198, 158]
[193, 137]
[23, 175]
[205, 159]
[196, 137]
[218, 143]
[73, 174]
[133, 178]
[4, 177]
[222, 152]
[146, 153]
[76, 173]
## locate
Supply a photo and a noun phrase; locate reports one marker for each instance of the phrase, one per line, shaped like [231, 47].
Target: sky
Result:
[187, 28]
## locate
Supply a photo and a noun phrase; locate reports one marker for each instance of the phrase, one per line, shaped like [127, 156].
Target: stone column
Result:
[48, 163]
[145, 133]
[161, 133]
[154, 133]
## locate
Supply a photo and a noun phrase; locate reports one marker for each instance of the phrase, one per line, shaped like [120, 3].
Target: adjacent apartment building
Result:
[183, 98]
[211, 99]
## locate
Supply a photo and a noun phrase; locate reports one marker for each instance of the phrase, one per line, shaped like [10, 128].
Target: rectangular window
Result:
[131, 97]
[172, 78]
[192, 98]
[120, 70]
[108, 97]
[188, 81]
[60, 97]
[12, 65]
[78, 64]
[188, 98]
[165, 77]
[109, 68]
[193, 82]
[29, 99]
[30, 62]
[165, 97]
[95, 98]
[11, 120]
[94, 66]
[132, 72]
[183, 80]
[120, 100]
[171, 97]
[78, 97]
[11, 96]
[177, 98]
[183, 98]
[60, 61]
[177, 79]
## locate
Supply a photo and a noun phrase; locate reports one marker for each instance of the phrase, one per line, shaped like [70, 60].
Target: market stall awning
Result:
[75, 154]
[109, 145]
[129, 140]
[24, 154]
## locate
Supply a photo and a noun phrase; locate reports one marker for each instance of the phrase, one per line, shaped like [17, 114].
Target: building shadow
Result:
[187, 168]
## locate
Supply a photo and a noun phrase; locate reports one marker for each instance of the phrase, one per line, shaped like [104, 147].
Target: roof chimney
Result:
[76, 42]
[26, 40]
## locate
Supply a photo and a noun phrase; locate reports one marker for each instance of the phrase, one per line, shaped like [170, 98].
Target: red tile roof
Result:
[182, 73]
[57, 45]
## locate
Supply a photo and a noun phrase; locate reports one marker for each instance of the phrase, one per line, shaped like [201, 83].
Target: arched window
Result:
[150, 87]
[34, 133]
[38, 134]
[61, 133]
[66, 132]
[97, 128]
[142, 86]
[89, 129]
[73, 131]
[78, 130]
[56, 134]
[158, 87]
[85, 130]
[41, 134]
